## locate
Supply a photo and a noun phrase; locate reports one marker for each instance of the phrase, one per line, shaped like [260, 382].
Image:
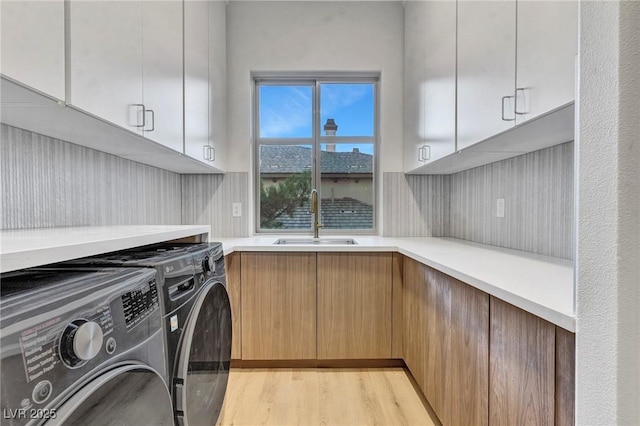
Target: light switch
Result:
[237, 209]
[500, 207]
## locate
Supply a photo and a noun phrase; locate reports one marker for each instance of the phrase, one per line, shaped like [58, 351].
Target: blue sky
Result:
[286, 111]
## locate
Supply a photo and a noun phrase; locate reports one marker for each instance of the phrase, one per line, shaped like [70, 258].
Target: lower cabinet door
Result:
[354, 305]
[232, 268]
[278, 306]
[468, 369]
[446, 343]
[521, 367]
[414, 318]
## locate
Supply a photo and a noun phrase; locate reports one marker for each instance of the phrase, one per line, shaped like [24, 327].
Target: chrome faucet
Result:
[316, 212]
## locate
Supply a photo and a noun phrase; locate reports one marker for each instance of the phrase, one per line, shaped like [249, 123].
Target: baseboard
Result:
[317, 363]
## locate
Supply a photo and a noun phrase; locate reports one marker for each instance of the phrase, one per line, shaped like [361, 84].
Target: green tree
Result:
[283, 198]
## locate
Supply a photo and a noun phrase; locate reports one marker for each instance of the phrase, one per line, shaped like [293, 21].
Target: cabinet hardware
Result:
[144, 123]
[209, 153]
[153, 120]
[521, 90]
[503, 117]
[424, 153]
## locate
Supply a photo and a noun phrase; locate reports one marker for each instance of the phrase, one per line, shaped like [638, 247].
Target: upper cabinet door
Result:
[106, 60]
[196, 80]
[218, 80]
[547, 48]
[33, 44]
[162, 72]
[486, 69]
[430, 82]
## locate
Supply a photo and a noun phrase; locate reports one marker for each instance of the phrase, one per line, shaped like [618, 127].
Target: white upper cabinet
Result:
[196, 81]
[218, 81]
[205, 81]
[32, 45]
[430, 82]
[486, 69]
[126, 65]
[514, 81]
[546, 53]
[162, 72]
[106, 60]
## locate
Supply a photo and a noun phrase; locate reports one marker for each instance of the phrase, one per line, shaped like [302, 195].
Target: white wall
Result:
[608, 208]
[314, 36]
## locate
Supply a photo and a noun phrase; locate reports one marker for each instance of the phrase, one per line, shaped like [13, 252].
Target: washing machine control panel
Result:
[59, 353]
[209, 263]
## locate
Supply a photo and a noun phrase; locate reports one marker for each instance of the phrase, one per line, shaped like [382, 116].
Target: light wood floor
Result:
[317, 396]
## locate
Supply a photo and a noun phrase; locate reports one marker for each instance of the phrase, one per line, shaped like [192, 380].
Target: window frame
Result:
[317, 140]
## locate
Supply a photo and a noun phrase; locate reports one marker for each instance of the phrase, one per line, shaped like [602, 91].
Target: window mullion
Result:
[288, 141]
[316, 145]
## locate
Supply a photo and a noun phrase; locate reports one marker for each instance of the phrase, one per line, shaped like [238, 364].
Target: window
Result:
[315, 133]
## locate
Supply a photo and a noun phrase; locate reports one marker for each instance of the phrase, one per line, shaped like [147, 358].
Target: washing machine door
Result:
[205, 353]
[127, 395]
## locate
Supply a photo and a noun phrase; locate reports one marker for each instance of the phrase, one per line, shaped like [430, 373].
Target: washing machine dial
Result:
[208, 264]
[80, 342]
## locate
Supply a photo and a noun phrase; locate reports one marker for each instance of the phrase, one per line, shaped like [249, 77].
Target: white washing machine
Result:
[82, 347]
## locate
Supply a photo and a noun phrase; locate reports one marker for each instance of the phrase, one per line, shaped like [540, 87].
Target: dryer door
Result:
[127, 395]
[205, 354]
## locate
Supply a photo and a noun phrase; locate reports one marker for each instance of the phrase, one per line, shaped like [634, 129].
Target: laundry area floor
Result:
[323, 396]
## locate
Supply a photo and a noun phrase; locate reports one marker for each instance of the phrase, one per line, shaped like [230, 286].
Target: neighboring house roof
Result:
[339, 213]
[296, 159]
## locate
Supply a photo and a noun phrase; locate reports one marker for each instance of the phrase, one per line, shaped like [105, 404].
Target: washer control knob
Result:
[80, 342]
[208, 264]
[87, 341]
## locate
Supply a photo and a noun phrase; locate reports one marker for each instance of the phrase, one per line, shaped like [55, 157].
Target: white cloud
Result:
[288, 114]
[337, 96]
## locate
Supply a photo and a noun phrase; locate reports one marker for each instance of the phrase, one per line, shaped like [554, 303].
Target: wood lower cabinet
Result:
[232, 269]
[522, 367]
[438, 306]
[397, 306]
[278, 306]
[445, 336]
[565, 377]
[478, 360]
[414, 310]
[468, 372]
[354, 305]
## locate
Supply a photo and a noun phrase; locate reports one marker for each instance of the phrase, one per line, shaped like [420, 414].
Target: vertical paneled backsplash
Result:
[48, 183]
[207, 199]
[538, 192]
[415, 206]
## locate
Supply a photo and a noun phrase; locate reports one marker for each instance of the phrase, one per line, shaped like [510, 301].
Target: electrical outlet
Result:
[500, 207]
[237, 209]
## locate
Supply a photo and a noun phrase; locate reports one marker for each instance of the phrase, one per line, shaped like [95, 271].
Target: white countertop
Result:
[540, 285]
[25, 248]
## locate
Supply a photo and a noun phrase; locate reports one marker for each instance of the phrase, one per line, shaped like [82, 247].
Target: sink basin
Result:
[316, 241]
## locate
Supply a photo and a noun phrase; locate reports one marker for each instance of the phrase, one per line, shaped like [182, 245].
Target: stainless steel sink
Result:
[316, 241]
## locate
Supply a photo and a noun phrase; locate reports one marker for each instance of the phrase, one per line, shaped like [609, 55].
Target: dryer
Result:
[201, 364]
[196, 316]
[82, 347]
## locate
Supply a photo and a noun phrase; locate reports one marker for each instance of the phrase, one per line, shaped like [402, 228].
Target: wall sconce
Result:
[330, 127]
